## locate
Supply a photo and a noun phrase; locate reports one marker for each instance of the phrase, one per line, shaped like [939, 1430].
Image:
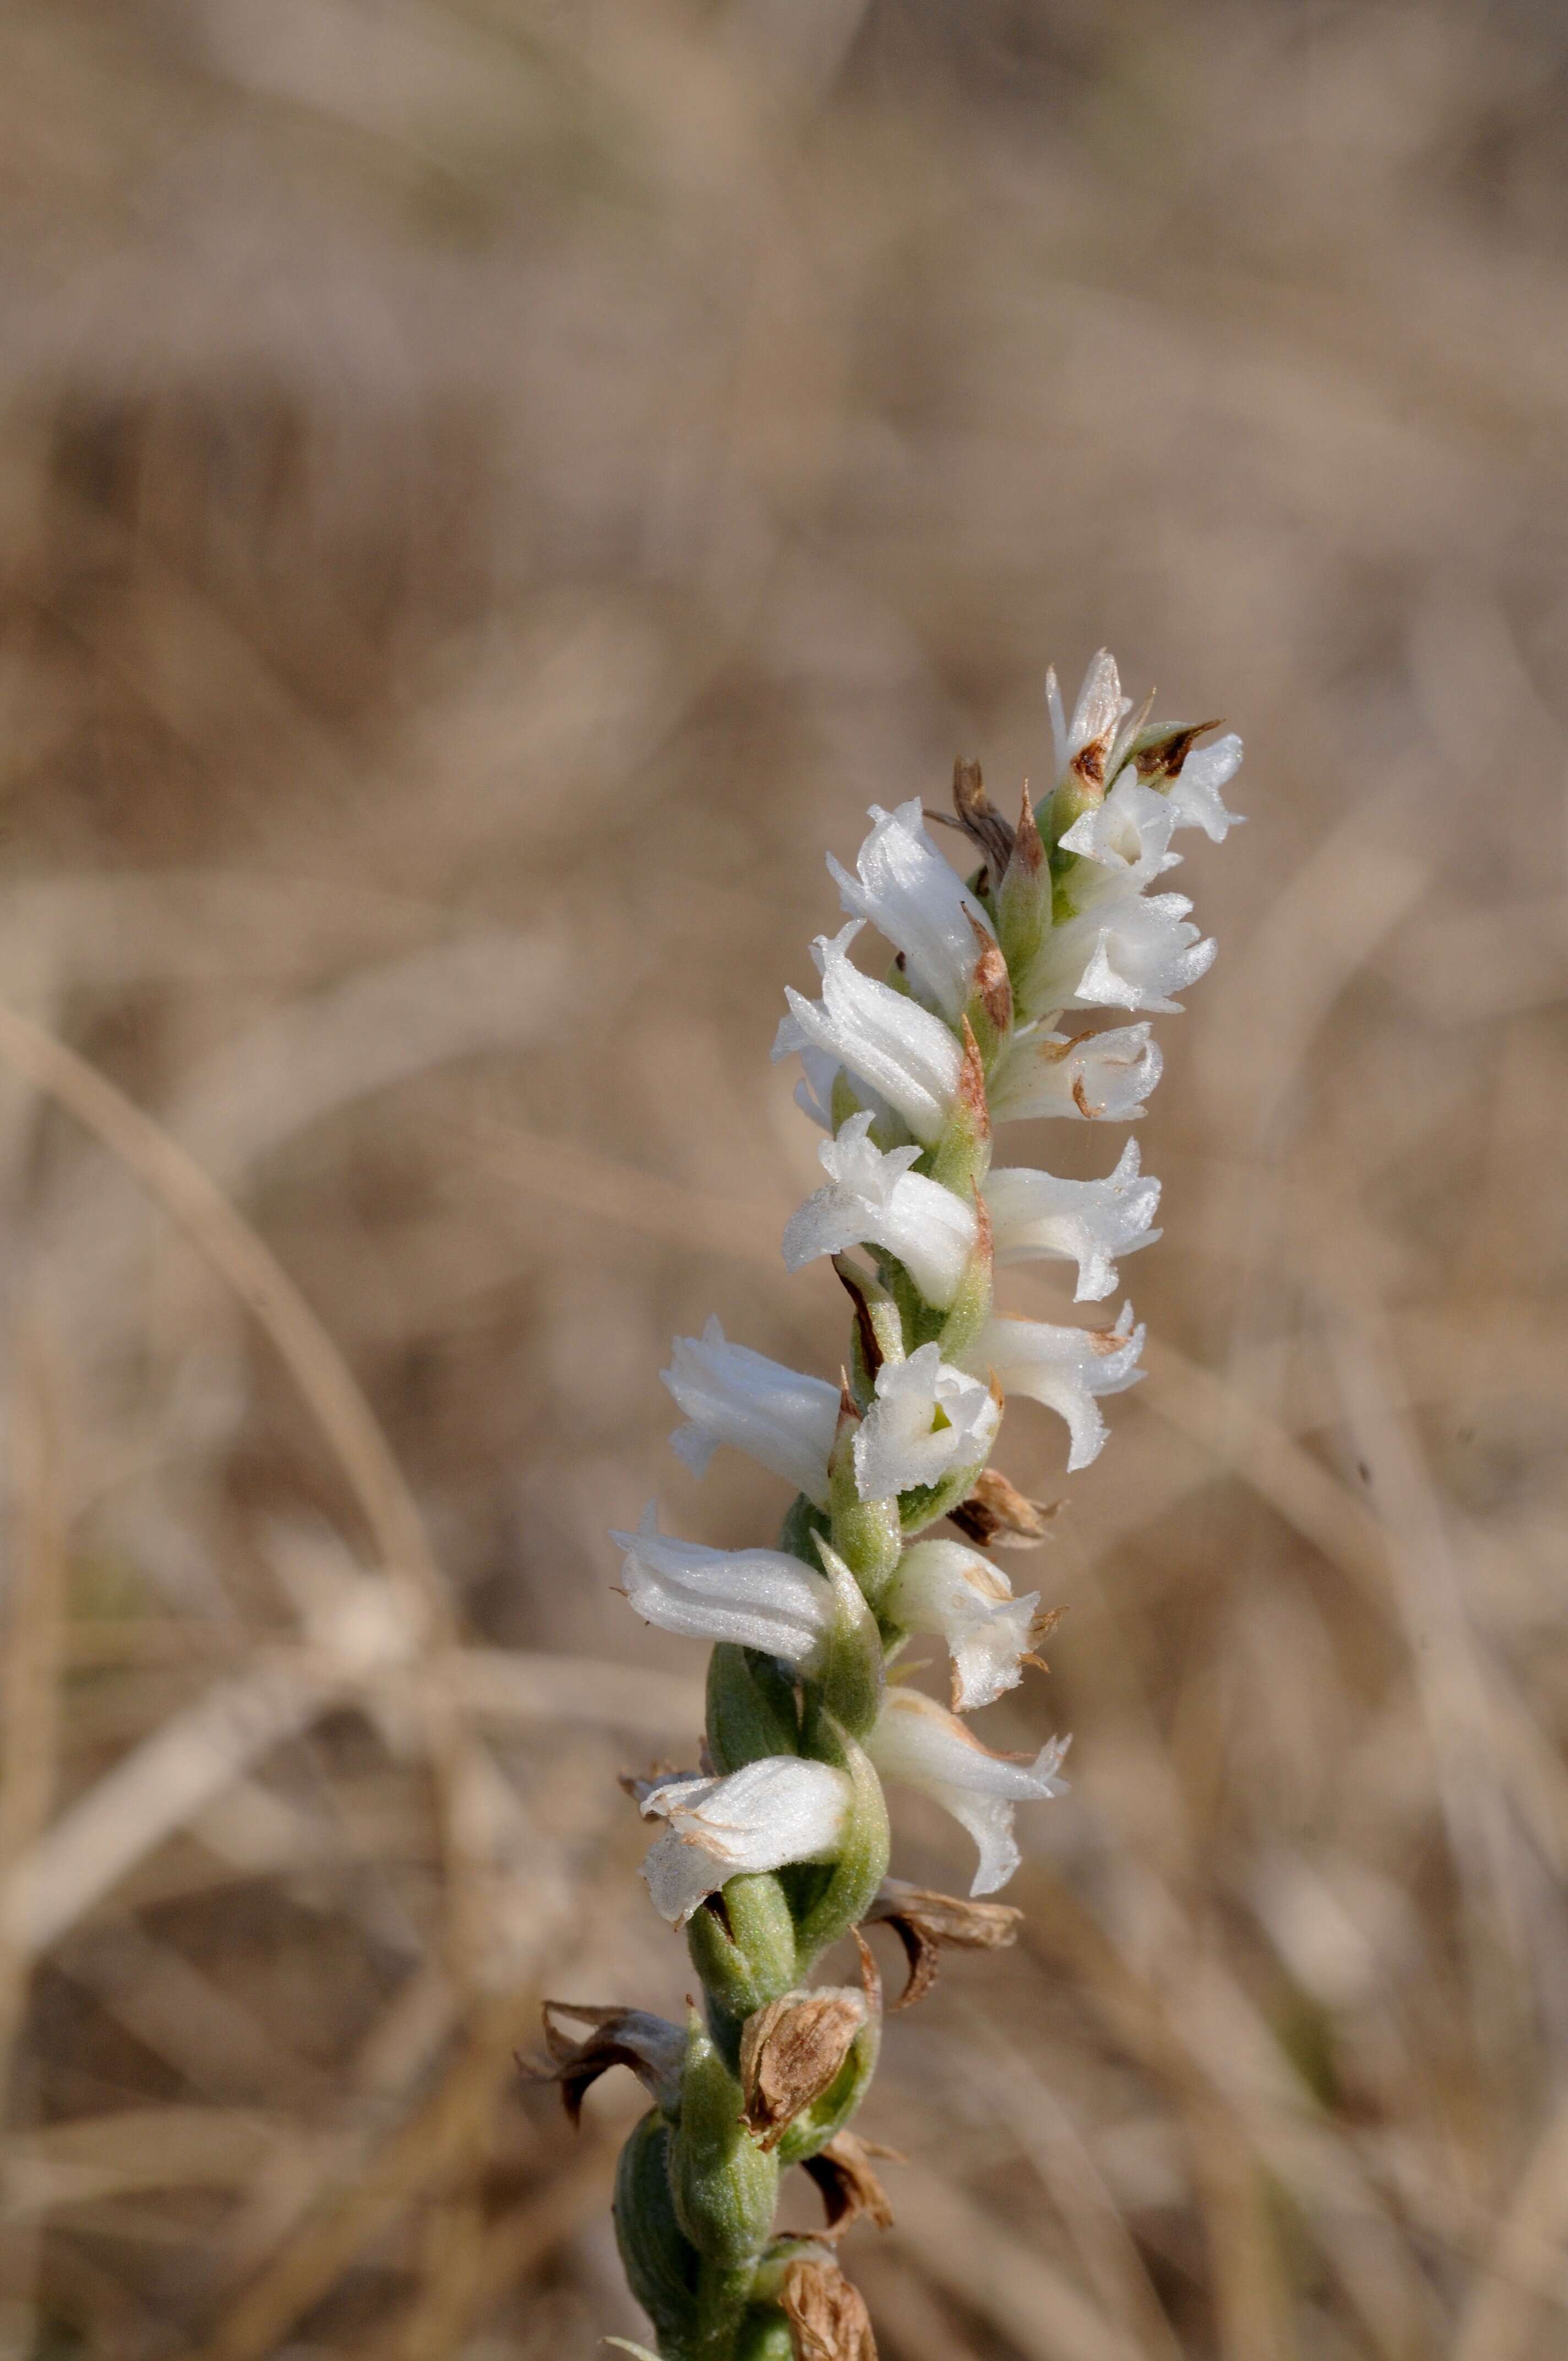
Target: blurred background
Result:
[489, 490]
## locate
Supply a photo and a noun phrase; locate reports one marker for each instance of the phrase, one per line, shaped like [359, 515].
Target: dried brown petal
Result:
[991, 984]
[653, 2047]
[791, 2052]
[997, 1516]
[925, 1923]
[1160, 753]
[842, 2171]
[828, 2316]
[978, 816]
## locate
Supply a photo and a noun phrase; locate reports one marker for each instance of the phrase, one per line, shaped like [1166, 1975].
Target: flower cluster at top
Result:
[778, 1844]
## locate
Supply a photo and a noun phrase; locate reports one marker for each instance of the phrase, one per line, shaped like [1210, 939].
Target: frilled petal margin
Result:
[948, 1589]
[1064, 1368]
[917, 1741]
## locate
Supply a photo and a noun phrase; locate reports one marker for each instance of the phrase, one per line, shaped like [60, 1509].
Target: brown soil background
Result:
[487, 493]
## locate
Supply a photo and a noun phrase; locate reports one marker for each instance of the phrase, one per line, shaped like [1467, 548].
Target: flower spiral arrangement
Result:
[778, 1846]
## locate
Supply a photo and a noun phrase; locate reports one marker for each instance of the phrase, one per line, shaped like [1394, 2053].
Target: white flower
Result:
[882, 1036]
[928, 1420]
[947, 1589]
[1064, 1368]
[918, 901]
[775, 1810]
[730, 1394]
[1197, 791]
[875, 1198]
[1132, 952]
[1126, 839]
[1100, 710]
[754, 1598]
[1086, 1222]
[1099, 1077]
[914, 1741]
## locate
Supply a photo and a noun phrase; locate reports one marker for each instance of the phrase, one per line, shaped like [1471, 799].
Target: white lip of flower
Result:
[918, 901]
[1087, 1222]
[778, 1809]
[900, 1445]
[948, 1589]
[1098, 1077]
[753, 1597]
[1197, 791]
[917, 1741]
[906, 1055]
[785, 1420]
[1131, 952]
[1097, 716]
[873, 1198]
[1064, 1368]
[1126, 837]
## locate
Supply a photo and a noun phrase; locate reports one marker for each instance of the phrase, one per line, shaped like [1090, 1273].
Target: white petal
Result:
[1126, 839]
[910, 895]
[1098, 1077]
[753, 1597]
[915, 1742]
[1100, 703]
[1132, 951]
[901, 1445]
[784, 1419]
[883, 1037]
[1064, 1368]
[873, 1198]
[1197, 791]
[770, 1812]
[950, 1589]
[1086, 1222]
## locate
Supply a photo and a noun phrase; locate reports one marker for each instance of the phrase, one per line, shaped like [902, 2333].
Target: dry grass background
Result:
[489, 489]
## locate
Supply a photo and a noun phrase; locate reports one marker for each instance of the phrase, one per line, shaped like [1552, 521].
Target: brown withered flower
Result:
[653, 2047]
[842, 2171]
[997, 1516]
[926, 1924]
[792, 2050]
[826, 2313]
[978, 816]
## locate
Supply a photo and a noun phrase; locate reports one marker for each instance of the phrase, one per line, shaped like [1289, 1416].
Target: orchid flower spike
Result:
[982, 1006]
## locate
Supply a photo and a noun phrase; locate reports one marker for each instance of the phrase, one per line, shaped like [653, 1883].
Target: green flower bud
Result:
[659, 2259]
[851, 1885]
[725, 2186]
[743, 1944]
[849, 1684]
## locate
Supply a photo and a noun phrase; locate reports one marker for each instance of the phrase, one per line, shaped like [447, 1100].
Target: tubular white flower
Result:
[754, 1598]
[775, 1810]
[1064, 1368]
[1197, 791]
[915, 1742]
[904, 1053]
[1086, 1222]
[918, 901]
[1125, 841]
[1096, 1077]
[873, 1198]
[1126, 952]
[730, 1394]
[1097, 716]
[928, 1420]
[948, 1589]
